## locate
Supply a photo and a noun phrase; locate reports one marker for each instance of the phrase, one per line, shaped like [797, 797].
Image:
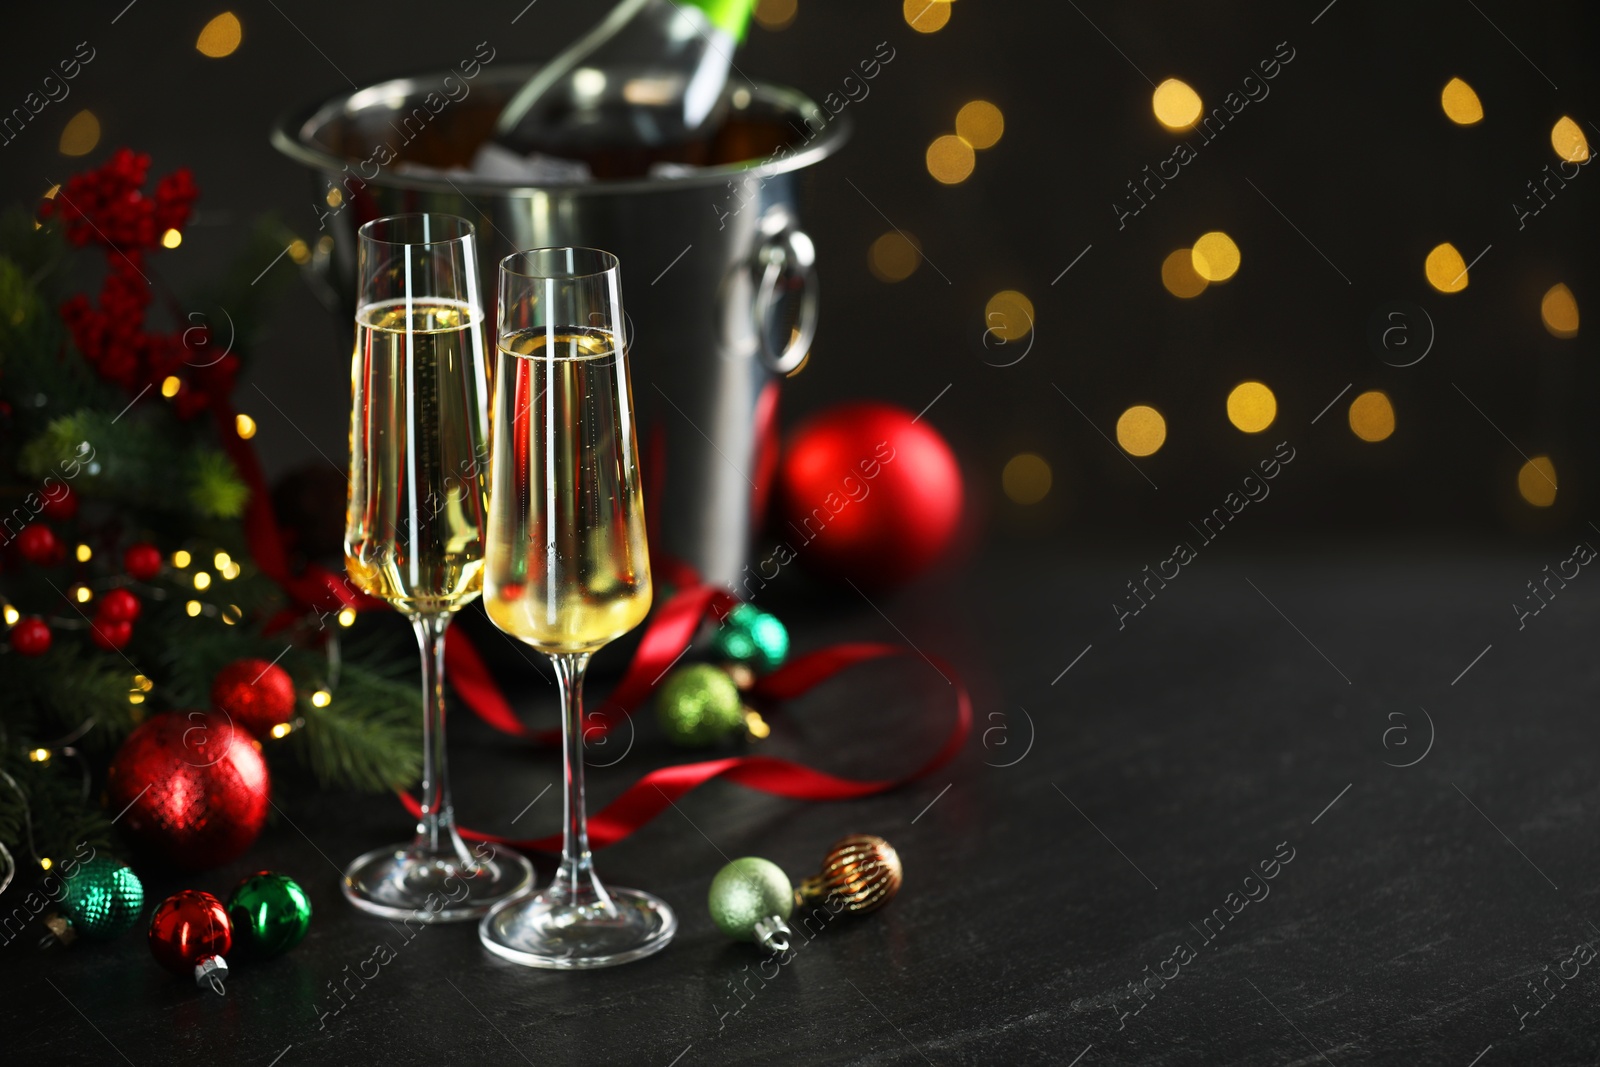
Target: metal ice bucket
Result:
[718, 277]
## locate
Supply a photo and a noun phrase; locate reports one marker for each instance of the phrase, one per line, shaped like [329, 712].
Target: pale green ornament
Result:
[750, 900]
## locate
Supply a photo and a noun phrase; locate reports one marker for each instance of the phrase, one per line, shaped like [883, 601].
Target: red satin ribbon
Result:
[658, 790]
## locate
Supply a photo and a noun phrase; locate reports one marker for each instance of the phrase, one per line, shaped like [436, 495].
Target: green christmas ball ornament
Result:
[753, 637]
[270, 913]
[102, 899]
[751, 899]
[698, 705]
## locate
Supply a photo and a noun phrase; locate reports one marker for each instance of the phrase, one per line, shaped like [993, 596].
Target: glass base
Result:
[405, 882]
[545, 931]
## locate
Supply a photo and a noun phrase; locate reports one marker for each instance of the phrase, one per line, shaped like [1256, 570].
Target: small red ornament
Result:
[118, 605]
[31, 636]
[868, 493]
[110, 635]
[62, 508]
[190, 934]
[142, 561]
[255, 694]
[39, 544]
[194, 787]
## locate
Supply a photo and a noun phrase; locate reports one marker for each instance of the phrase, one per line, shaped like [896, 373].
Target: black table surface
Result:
[1116, 803]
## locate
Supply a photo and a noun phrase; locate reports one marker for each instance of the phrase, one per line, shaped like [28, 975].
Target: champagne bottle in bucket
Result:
[651, 77]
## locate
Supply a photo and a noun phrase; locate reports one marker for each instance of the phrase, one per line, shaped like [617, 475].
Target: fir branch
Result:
[369, 737]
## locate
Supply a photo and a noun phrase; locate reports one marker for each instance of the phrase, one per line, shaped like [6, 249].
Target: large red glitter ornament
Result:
[194, 787]
[255, 694]
[867, 493]
[190, 934]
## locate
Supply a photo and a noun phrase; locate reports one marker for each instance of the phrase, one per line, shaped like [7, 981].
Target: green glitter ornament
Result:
[102, 899]
[698, 705]
[750, 900]
[270, 914]
[751, 636]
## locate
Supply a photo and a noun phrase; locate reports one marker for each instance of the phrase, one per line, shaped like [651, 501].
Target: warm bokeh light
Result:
[1177, 274]
[1008, 316]
[321, 698]
[300, 252]
[980, 124]
[1372, 416]
[1567, 138]
[1177, 106]
[192, 608]
[220, 37]
[202, 580]
[84, 553]
[1252, 407]
[171, 239]
[951, 159]
[1026, 479]
[245, 426]
[170, 386]
[776, 14]
[12, 615]
[231, 571]
[1559, 310]
[1141, 430]
[894, 257]
[926, 16]
[80, 135]
[181, 558]
[1446, 270]
[281, 730]
[347, 617]
[82, 594]
[1461, 105]
[221, 561]
[1215, 256]
[232, 614]
[1536, 481]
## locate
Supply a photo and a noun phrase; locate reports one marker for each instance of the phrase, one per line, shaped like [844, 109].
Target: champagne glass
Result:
[414, 528]
[567, 570]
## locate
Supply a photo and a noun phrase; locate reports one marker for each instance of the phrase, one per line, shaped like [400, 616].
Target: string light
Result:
[347, 617]
[82, 594]
[926, 16]
[1215, 256]
[1372, 416]
[1461, 105]
[142, 683]
[776, 14]
[1009, 315]
[298, 251]
[321, 698]
[40, 755]
[171, 239]
[46, 863]
[220, 37]
[1179, 277]
[894, 257]
[1446, 270]
[83, 553]
[281, 730]
[1177, 106]
[950, 158]
[181, 558]
[231, 615]
[1559, 310]
[1252, 407]
[245, 426]
[80, 135]
[12, 615]
[1536, 481]
[193, 608]
[202, 580]
[980, 124]
[170, 386]
[221, 560]
[1567, 138]
[231, 571]
[1141, 430]
[1026, 478]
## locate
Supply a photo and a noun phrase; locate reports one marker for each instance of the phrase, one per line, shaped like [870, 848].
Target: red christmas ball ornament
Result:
[142, 561]
[255, 694]
[39, 544]
[62, 508]
[110, 635]
[190, 934]
[118, 605]
[868, 494]
[194, 787]
[31, 636]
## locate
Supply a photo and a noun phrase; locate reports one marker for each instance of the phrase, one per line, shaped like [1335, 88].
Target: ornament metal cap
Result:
[210, 972]
[773, 934]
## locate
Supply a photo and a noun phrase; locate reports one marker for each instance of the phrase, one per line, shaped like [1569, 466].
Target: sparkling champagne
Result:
[414, 530]
[568, 568]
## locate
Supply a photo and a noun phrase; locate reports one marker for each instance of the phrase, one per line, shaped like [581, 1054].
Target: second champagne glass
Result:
[567, 566]
[414, 530]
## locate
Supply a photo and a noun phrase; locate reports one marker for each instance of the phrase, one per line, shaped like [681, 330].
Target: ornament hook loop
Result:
[773, 934]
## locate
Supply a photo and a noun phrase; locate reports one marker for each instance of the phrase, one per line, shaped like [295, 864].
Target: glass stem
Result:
[436, 827]
[576, 876]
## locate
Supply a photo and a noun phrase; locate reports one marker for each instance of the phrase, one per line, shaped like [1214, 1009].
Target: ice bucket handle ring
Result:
[788, 260]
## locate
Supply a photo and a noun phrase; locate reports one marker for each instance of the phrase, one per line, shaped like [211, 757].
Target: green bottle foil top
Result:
[730, 16]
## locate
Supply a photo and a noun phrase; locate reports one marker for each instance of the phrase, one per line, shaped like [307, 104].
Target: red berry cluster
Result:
[107, 206]
[115, 612]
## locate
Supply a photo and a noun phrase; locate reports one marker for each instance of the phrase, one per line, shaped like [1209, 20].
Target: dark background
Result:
[1217, 724]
